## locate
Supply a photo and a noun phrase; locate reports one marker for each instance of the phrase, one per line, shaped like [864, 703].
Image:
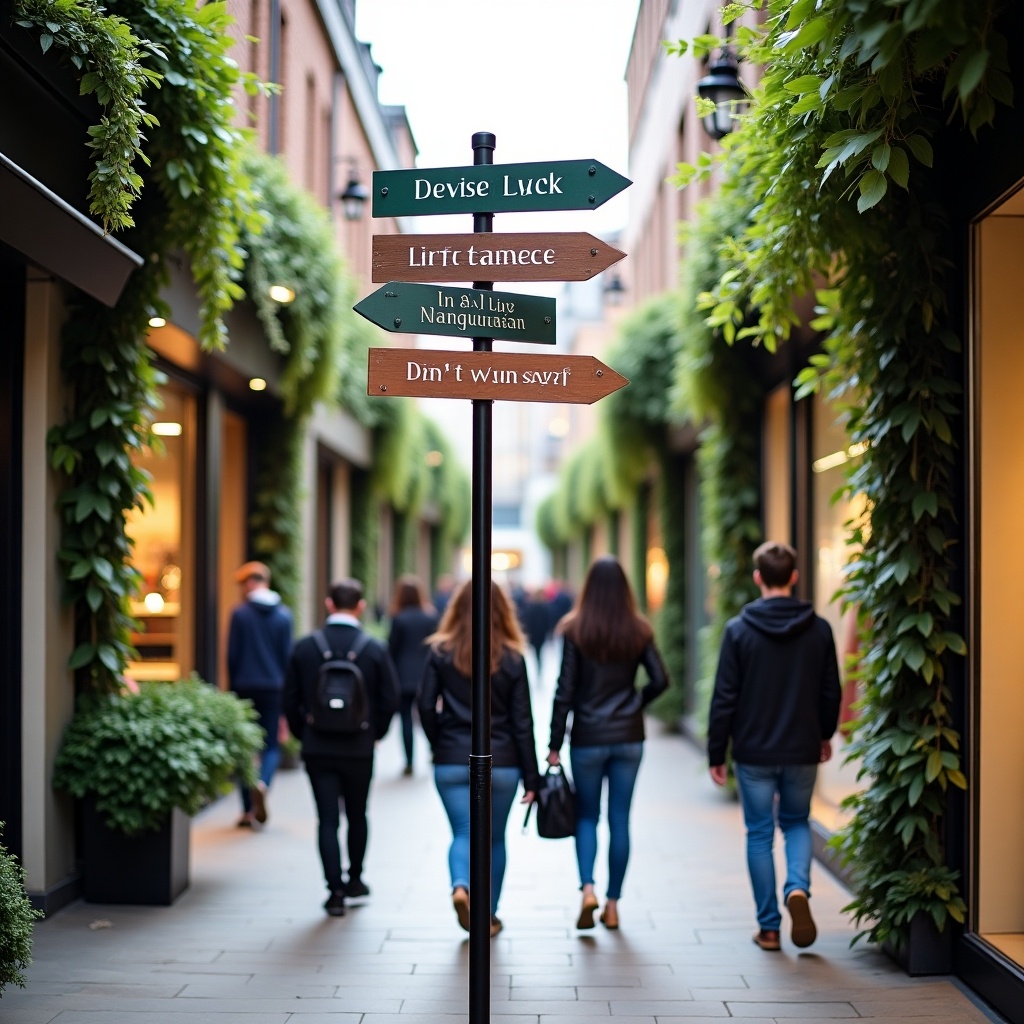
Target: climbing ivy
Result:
[835, 160]
[200, 202]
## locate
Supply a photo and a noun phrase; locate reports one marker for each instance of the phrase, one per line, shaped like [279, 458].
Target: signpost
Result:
[499, 188]
[505, 376]
[461, 312]
[483, 377]
[529, 256]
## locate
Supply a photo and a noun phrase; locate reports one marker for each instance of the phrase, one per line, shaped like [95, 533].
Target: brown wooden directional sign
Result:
[552, 256]
[506, 376]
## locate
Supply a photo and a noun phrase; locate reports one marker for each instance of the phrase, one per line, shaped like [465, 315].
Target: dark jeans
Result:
[335, 781]
[268, 706]
[406, 704]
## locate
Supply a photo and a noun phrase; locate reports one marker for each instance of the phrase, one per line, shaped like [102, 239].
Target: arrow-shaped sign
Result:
[506, 376]
[462, 312]
[552, 256]
[495, 188]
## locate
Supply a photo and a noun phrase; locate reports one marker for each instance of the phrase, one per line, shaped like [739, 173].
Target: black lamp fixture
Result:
[722, 86]
[353, 199]
[614, 290]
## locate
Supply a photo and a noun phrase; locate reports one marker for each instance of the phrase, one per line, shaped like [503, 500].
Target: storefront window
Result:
[997, 913]
[163, 540]
[831, 453]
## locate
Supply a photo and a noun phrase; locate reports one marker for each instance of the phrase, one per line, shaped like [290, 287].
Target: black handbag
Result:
[556, 806]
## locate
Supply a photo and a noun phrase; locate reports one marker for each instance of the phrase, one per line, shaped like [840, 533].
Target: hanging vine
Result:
[835, 161]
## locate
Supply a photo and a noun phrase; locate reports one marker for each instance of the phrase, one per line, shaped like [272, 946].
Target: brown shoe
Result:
[804, 931]
[768, 940]
[259, 802]
[610, 916]
[586, 918]
[460, 900]
[496, 925]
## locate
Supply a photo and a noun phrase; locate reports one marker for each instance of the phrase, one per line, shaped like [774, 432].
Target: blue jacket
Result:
[259, 642]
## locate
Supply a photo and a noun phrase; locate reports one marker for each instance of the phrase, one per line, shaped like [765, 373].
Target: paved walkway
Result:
[248, 942]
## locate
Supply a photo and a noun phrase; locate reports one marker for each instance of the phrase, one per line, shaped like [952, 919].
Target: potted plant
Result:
[142, 761]
[16, 918]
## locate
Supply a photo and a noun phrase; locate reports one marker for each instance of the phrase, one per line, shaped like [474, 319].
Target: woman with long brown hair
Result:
[445, 704]
[413, 619]
[605, 641]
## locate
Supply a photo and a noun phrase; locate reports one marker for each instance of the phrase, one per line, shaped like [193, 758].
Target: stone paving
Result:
[248, 942]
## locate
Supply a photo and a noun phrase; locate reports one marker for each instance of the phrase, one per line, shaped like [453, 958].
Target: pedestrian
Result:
[445, 705]
[776, 698]
[259, 643]
[605, 640]
[536, 618]
[443, 592]
[340, 764]
[413, 619]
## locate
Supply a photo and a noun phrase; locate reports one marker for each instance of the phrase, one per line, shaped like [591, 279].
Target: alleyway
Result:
[249, 943]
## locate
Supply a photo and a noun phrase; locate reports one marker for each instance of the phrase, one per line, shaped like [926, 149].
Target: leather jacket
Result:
[606, 706]
[445, 704]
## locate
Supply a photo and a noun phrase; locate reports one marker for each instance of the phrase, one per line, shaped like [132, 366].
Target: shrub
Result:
[141, 754]
[16, 917]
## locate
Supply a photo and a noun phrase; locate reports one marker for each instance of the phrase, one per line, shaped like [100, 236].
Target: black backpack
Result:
[340, 701]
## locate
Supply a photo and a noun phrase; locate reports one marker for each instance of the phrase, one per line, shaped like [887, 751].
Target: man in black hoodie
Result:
[777, 698]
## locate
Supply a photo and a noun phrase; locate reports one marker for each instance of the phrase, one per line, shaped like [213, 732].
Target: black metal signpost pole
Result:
[480, 755]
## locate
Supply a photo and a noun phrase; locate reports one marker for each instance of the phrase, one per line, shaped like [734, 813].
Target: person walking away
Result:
[445, 703]
[605, 641]
[537, 623]
[776, 698]
[413, 619]
[338, 754]
[259, 644]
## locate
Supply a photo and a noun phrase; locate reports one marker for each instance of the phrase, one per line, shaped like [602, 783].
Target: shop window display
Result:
[163, 547]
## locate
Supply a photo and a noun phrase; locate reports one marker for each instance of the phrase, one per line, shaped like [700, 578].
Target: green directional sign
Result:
[495, 188]
[461, 312]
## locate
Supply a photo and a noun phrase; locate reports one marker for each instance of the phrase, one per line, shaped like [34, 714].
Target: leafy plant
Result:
[835, 166]
[111, 59]
[141, 754]
[16, 920]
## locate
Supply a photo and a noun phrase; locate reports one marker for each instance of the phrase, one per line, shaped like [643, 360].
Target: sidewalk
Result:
[248, 942]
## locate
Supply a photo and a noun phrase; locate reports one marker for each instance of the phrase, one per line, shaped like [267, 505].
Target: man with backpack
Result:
[340, 693]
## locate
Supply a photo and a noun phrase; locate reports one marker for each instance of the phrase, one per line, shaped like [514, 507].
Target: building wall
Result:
[47, 633]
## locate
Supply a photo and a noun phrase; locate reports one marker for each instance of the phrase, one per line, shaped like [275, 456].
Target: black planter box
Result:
[149, 868]
[927, 950]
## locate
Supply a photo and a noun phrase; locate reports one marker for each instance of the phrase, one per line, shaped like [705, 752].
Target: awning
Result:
[55, 236]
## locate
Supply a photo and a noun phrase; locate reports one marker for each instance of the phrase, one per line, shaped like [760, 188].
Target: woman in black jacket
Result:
[605, 641]
[413, 619]
[445, 703]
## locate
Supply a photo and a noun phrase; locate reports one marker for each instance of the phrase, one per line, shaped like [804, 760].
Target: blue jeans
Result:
[268, 707]
[619, 764]
[452, 781]
[776, 794]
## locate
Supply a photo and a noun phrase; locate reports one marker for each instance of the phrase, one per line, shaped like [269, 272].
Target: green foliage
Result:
[275, 526]
[294, 246]
[202, 200]
[16, 920]
[96, 452]
[142, 754]
[110, 60]
[835, 163]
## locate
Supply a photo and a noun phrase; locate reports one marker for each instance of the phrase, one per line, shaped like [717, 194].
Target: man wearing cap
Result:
[259, 645]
